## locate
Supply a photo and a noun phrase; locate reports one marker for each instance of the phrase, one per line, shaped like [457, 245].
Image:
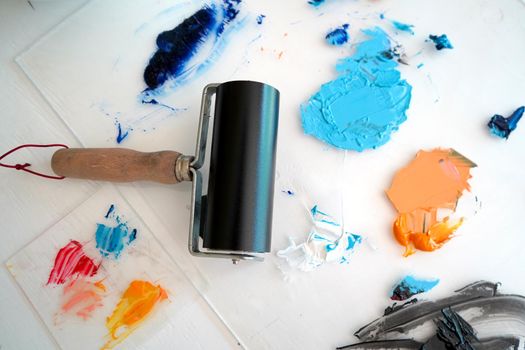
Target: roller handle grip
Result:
[116, 165]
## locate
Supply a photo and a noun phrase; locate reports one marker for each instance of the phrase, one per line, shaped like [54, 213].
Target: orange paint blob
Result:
[82, 297]
[134, 306]
[432, 182]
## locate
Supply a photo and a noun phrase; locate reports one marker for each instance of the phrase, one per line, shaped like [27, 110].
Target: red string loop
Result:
[24, 167]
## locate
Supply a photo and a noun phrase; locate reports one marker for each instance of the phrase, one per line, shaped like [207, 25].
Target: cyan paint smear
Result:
[338, 36]
[441, 41]
[325, 244]
[410, 286]
[179, 51]
[502, 127]
[316, 3]
[113, 236]
[367, 102]
[403, 26]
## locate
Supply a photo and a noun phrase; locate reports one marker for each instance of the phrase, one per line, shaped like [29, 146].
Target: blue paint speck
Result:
[367, 102]
[502, 127]
[121, 134]
[111, 239]
[410, 286]
[420, 65]
[382, 16]
[338, 36]
[316, 3]
[441, 41]
[403, 27]
[260, 19]
[288, 192]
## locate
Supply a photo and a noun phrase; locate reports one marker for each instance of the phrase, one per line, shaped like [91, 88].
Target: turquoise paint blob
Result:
[367, 102]
[404, 27]
[112, 239]
[441, 41]
[410, 286]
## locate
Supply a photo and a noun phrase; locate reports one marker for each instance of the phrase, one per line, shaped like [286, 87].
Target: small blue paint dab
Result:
[382, 16]
[316, 3]
[502, 127]
[420, 65]
[121, 135]
[338, 36]
[410, 286]
[403, 27]
[441, 41]
[260, 19]
[288, 192]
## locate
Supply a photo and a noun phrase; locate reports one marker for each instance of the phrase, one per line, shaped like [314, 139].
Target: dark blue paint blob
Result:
[338, 36]
[441, 41]
[316, 3]
[121, 134]
[260, 19]
[177, 46]
[288, 192]
[502, 127]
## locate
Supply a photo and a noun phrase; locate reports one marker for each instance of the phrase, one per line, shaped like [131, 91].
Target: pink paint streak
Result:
[71, 261]
[82, 297]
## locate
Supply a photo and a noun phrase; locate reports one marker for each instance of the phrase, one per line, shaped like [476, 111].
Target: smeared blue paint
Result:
[441, 41]
[319, 216]
[155, 102]
[114, 235]
[403, 27]
[420, 65]
[260, 19]
[316, 3]
[367, 102]
[178, 46]
[288, 192]
[410, 286]
[121, 134]
[338, 36]
[502, 127]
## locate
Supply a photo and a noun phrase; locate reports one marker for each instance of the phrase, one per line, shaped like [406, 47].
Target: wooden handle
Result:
[116, 165]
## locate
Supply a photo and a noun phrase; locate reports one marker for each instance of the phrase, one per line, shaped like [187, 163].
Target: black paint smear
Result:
[451, 330]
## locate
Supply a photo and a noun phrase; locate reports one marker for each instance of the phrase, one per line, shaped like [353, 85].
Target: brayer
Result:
[234, 218]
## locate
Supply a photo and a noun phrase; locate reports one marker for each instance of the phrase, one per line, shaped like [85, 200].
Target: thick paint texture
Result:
[82, 297]
[502, 127]
[338, 36]
[71, 262]
[410, 286]
[474, 317]
[177, 47]
[137, 302]
[422, 191]
[112, 239]
[441, 41]
[367, 102]
[326, 243]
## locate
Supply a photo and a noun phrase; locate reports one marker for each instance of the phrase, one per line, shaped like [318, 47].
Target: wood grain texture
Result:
[116, 165]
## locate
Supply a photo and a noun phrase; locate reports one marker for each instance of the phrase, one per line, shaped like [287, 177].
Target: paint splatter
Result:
[71, 262]
[403, 27]
[368, 101]
[135, 305]
[122, 133]
[113, 236]
[441, 41]
[410, 286]
[316, 3]
[326, 243]
[338, 36]
[450, 323]
[82, 297]
[502, 127]
[260, 19]
[288, 192]
[177, 47]
[425, 194]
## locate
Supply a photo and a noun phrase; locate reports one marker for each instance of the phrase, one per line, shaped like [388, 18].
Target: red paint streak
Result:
[71, 261]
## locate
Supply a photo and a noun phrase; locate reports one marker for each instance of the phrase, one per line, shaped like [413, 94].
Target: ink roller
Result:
[234, 219]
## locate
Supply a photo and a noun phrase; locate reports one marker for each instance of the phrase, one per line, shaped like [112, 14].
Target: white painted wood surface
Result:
[483, 75]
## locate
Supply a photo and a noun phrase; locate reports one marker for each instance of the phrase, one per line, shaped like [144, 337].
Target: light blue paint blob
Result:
[365, 104]
[420, 65]
[441, 41]
[338, 36]
[410, 286]
[403, 27]
[111, 239]
[316, 3]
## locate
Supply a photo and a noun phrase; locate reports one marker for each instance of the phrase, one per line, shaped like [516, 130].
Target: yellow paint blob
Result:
[135, 305]
[433, 181]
